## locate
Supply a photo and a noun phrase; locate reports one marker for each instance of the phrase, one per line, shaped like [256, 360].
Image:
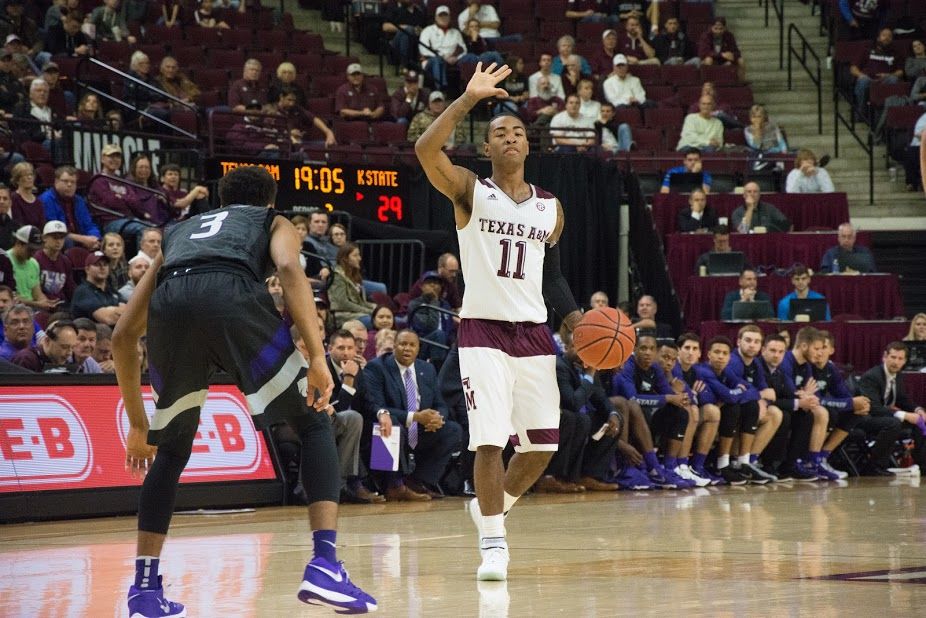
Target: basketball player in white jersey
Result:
[505, 227]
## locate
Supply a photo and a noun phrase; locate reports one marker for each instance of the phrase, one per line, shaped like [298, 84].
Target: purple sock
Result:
[815, 458]
[697, 462]
[650, 459]
[670, 462]
[753, 458]
[324, 541]
[825, 454]
[683, 461]
[146, 572]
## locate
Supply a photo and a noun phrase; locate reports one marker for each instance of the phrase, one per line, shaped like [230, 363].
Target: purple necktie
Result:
[411, 402]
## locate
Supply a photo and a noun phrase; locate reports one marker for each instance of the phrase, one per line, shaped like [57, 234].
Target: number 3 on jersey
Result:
[210, 224]
[521, 247]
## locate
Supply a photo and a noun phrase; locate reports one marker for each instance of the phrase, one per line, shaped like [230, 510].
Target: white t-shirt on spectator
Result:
[563, 120]
[590, 109]
[556, 85]
[445, 43]
[619, 91]
[486, 13]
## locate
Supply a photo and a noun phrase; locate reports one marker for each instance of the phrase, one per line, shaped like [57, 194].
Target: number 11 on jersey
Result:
[521, 247]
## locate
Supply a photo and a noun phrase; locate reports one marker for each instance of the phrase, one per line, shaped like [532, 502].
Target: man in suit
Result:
[892, 412]
[748, 292]
[698, 216]
[403, 392]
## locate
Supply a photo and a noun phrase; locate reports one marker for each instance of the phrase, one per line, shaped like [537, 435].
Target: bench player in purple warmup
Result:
[508, 230]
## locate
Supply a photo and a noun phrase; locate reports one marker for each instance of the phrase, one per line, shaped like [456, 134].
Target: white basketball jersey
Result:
[501, 253]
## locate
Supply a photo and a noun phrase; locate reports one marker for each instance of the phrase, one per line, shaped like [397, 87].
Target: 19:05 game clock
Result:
[363, 191]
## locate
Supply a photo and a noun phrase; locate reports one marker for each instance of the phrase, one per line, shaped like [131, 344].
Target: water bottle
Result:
[835, 265]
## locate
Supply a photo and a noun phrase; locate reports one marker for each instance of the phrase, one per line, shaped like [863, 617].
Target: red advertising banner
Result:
[73, 437]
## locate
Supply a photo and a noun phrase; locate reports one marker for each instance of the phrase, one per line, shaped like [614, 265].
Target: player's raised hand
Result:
[484, 83]
[320, 382]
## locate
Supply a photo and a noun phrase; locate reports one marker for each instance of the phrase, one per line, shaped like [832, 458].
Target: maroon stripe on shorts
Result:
[516, 339]
[543, 436]
[514, 439]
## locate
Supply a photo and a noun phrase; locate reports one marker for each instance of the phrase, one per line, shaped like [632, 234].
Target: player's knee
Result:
[694, 417]
[710, 413]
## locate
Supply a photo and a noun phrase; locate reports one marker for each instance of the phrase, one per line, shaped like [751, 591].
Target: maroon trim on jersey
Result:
[516, 339]
[542, 194]
[491, 184]
[486, 183]
[543, 436]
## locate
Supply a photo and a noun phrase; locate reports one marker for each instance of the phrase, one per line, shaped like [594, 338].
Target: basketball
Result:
[604, 338]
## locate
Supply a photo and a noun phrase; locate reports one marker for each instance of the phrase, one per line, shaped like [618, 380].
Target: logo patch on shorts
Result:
[469, 394]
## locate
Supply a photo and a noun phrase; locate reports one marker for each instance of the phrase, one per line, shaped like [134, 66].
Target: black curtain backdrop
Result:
[590, 191]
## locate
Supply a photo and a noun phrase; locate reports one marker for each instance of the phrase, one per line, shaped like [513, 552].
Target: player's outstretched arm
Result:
[129, 329]
[284, 251]
[453, 181]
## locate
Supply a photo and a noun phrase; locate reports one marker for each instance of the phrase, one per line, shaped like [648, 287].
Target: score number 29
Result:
[390, 207]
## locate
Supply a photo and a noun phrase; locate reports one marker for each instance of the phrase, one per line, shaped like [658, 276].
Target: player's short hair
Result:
[721, 340]
[669, 344]
[250, 185]
[896, 346]
[689, 336]
[777, 338]
[502, 115]
[749, 328]
[828, 337]
[646, 333]
[341, 333]
[808, 335]
[721, 230]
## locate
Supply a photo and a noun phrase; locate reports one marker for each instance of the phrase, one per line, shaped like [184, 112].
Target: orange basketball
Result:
[604, 338]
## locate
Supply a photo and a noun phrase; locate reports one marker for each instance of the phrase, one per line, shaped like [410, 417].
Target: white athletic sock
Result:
[743, 459]
[493, 526]
[723, 461]
[509, 502]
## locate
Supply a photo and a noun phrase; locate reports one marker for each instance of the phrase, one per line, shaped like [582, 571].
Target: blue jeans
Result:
[437, 68]
[624, 137]
[374, 286]
[405, 46]
[863, 84]
[128, 229]
[485, 58]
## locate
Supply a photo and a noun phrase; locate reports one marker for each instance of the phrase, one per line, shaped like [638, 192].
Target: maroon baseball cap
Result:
[93, 258]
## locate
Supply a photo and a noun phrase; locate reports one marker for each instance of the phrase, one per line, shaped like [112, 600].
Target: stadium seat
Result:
[306, 42]
[722, 74]
[659, 93]
[681, 74]
[308, 63]
[631, 115]
[700, 12]
[590, 31]
[337, 65]
[323, 85]
[231, 59]
[389, 132]
[272, 40]
[237, 39]
[269, 60]
[321, 106]
[352, 132]
[649, 74]
[163, 34]
[880, 91]
[648, 140]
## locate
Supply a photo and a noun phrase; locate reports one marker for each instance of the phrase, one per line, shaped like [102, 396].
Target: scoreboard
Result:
[370, 192]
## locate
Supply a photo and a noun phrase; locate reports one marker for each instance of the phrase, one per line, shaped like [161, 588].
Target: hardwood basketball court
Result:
[792, 549]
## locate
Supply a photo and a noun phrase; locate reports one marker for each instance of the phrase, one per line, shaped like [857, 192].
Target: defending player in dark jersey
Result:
[205, 308]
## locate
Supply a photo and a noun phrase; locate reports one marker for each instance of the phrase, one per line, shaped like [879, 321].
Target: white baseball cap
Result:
[620, 59]
[54, 227]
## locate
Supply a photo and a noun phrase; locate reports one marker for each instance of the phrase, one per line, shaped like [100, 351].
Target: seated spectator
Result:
[914, 66]
[171, 12]
[622, 141]
[721, 245]
[755, 213]
[702, 130]
[56, 272]
[62, 203]
[892, 411]
[807, 175]
[861, 18]
[409, 99]
[26, 207]
[7, 225]
[598, 300]
[61, 101]
[385, 342]
[175, 83]
[516, 87]
[338, 235]
[440, 44]
[205, 17]
[94, 298]
[356, 100]
[403, 393]
[52, 354]
[698, 216]
[18, 330]
[259, 135]
[911, 160]
[301, 121]
[346, 295]
[152, 204]
[103, 352]
[585, 406]
[57, 11]
[66, 38]
[26, 270]
[589, 10]
[125, 214]
[917, 330]
[691, 164]
[448, 267]
[37, 118]
[248, 89]
[588, 106]
[405, 19]
[602, 62]
[540, 109]
[138, 92]
[318, 239]
[673, 46]
[85, 346]
[12, 92]
[718, 46]
[572, 75]
[880, 63]
[646, 318]
[89, 112]
[114, 250]
[800, 279]
[554, 81]
[286, 78]
[181, 201]
[477, 48]
[433, 326]
[381, 319]
[722, 112]
[747, 292]
[847, 257]
[15, 23]
[423, 120]
[485, 16]
[566, 46]
[570, 130]
[763, 136]
[150, 243]
[634, 45]
[110, 24]
[138, 266]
